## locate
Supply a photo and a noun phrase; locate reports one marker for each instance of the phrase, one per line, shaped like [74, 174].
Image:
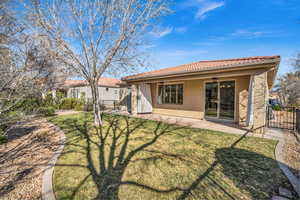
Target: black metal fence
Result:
[282, 117]
[297, 127]
[104, 104]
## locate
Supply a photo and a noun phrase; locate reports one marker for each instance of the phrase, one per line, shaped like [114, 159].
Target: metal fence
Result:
[282, 117]
[105, 104]
[297, 127]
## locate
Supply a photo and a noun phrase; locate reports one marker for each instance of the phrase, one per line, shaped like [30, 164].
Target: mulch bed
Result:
[23, 159]
[292, 152]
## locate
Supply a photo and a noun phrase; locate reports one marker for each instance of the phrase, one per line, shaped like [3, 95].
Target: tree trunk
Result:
[96, 105]
[109, 187]
[109, 193]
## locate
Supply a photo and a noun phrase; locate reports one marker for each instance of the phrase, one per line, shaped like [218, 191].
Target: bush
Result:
[79, 105]
[3, 139]
[68, 103]
[46, 111]
[276, 107]
[72, 103]
[29, 105]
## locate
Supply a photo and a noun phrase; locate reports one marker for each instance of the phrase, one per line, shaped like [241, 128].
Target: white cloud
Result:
[249, 34]
[161, 32]
[181, 29]
[203, 7]
[245, 34]
[206, 8]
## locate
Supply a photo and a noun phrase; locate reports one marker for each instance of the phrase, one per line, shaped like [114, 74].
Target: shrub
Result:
[49, 100]
[72, 103]
[276, 107]
[79, 105]
[46, 111]
[58, 99]
[30, 105]
[68, 103]
[3, 139]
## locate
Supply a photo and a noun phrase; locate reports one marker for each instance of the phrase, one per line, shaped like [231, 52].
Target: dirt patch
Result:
[22, 160]
[292, 152]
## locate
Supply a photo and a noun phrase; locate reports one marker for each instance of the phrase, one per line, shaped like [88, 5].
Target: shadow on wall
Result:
[111, 152]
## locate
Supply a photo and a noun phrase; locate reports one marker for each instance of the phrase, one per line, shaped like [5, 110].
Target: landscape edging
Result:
[47, 183]
[280, 161]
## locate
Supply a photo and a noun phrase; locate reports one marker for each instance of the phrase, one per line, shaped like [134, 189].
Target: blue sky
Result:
[218, 29]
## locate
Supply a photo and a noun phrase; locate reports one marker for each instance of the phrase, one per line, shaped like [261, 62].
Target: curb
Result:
[47, 185]
[280, 161]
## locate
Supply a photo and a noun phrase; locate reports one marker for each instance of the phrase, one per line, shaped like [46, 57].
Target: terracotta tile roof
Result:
[103, 81]
[205, 66]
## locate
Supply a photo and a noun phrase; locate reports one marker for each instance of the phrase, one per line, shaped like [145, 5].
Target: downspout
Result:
[250, 102]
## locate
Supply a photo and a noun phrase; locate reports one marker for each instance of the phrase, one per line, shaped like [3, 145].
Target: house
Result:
[109, 89]
[274, 98]
[231, 90]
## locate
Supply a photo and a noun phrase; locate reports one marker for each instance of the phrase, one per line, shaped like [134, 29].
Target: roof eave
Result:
[221, 67]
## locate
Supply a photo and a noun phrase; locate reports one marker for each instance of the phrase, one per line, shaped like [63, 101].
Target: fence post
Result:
[294, 118]
[297, 127]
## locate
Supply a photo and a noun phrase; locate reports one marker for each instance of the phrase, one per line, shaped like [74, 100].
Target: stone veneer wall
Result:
[260, 99]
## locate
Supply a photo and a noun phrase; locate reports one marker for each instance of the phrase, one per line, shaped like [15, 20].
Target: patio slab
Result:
[205, 124]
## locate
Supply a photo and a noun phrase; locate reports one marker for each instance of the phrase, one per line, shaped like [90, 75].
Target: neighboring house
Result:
[274, 98]
[109, 89]
[231, 90]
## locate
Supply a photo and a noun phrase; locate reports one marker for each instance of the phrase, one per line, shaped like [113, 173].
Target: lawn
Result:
[143, 159]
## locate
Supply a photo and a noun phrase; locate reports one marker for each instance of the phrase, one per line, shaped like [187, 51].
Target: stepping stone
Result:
[279, 198]
[285, 192]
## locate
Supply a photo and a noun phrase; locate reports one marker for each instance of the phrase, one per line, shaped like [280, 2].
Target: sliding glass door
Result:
[211, 99]
[220, 100]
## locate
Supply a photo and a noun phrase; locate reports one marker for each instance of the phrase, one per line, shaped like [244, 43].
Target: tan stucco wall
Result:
[134, 93]
[192, 101]
[193, 98]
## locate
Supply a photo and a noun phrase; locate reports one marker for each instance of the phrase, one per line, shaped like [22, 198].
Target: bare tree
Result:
[296, 62]
[288, 88]
[27, 63]
[97, 36]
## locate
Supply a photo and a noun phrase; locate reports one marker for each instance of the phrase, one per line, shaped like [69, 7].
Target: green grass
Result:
[183, 163]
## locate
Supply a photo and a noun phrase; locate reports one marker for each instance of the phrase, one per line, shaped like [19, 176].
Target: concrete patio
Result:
[226, 127]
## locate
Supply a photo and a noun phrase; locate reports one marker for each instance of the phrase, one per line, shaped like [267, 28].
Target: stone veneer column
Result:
[134, 91]
[243, 107]
[260, 102]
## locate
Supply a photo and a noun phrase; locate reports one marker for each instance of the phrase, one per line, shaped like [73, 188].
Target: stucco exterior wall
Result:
[134, 94]
[106, 93]
[194, 98]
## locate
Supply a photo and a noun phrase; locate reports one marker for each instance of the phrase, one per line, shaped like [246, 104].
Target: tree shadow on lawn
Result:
[254, 174]
[116, 152]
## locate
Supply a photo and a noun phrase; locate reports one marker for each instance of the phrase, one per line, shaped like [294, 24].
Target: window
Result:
[170, 94]
[74, 93]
